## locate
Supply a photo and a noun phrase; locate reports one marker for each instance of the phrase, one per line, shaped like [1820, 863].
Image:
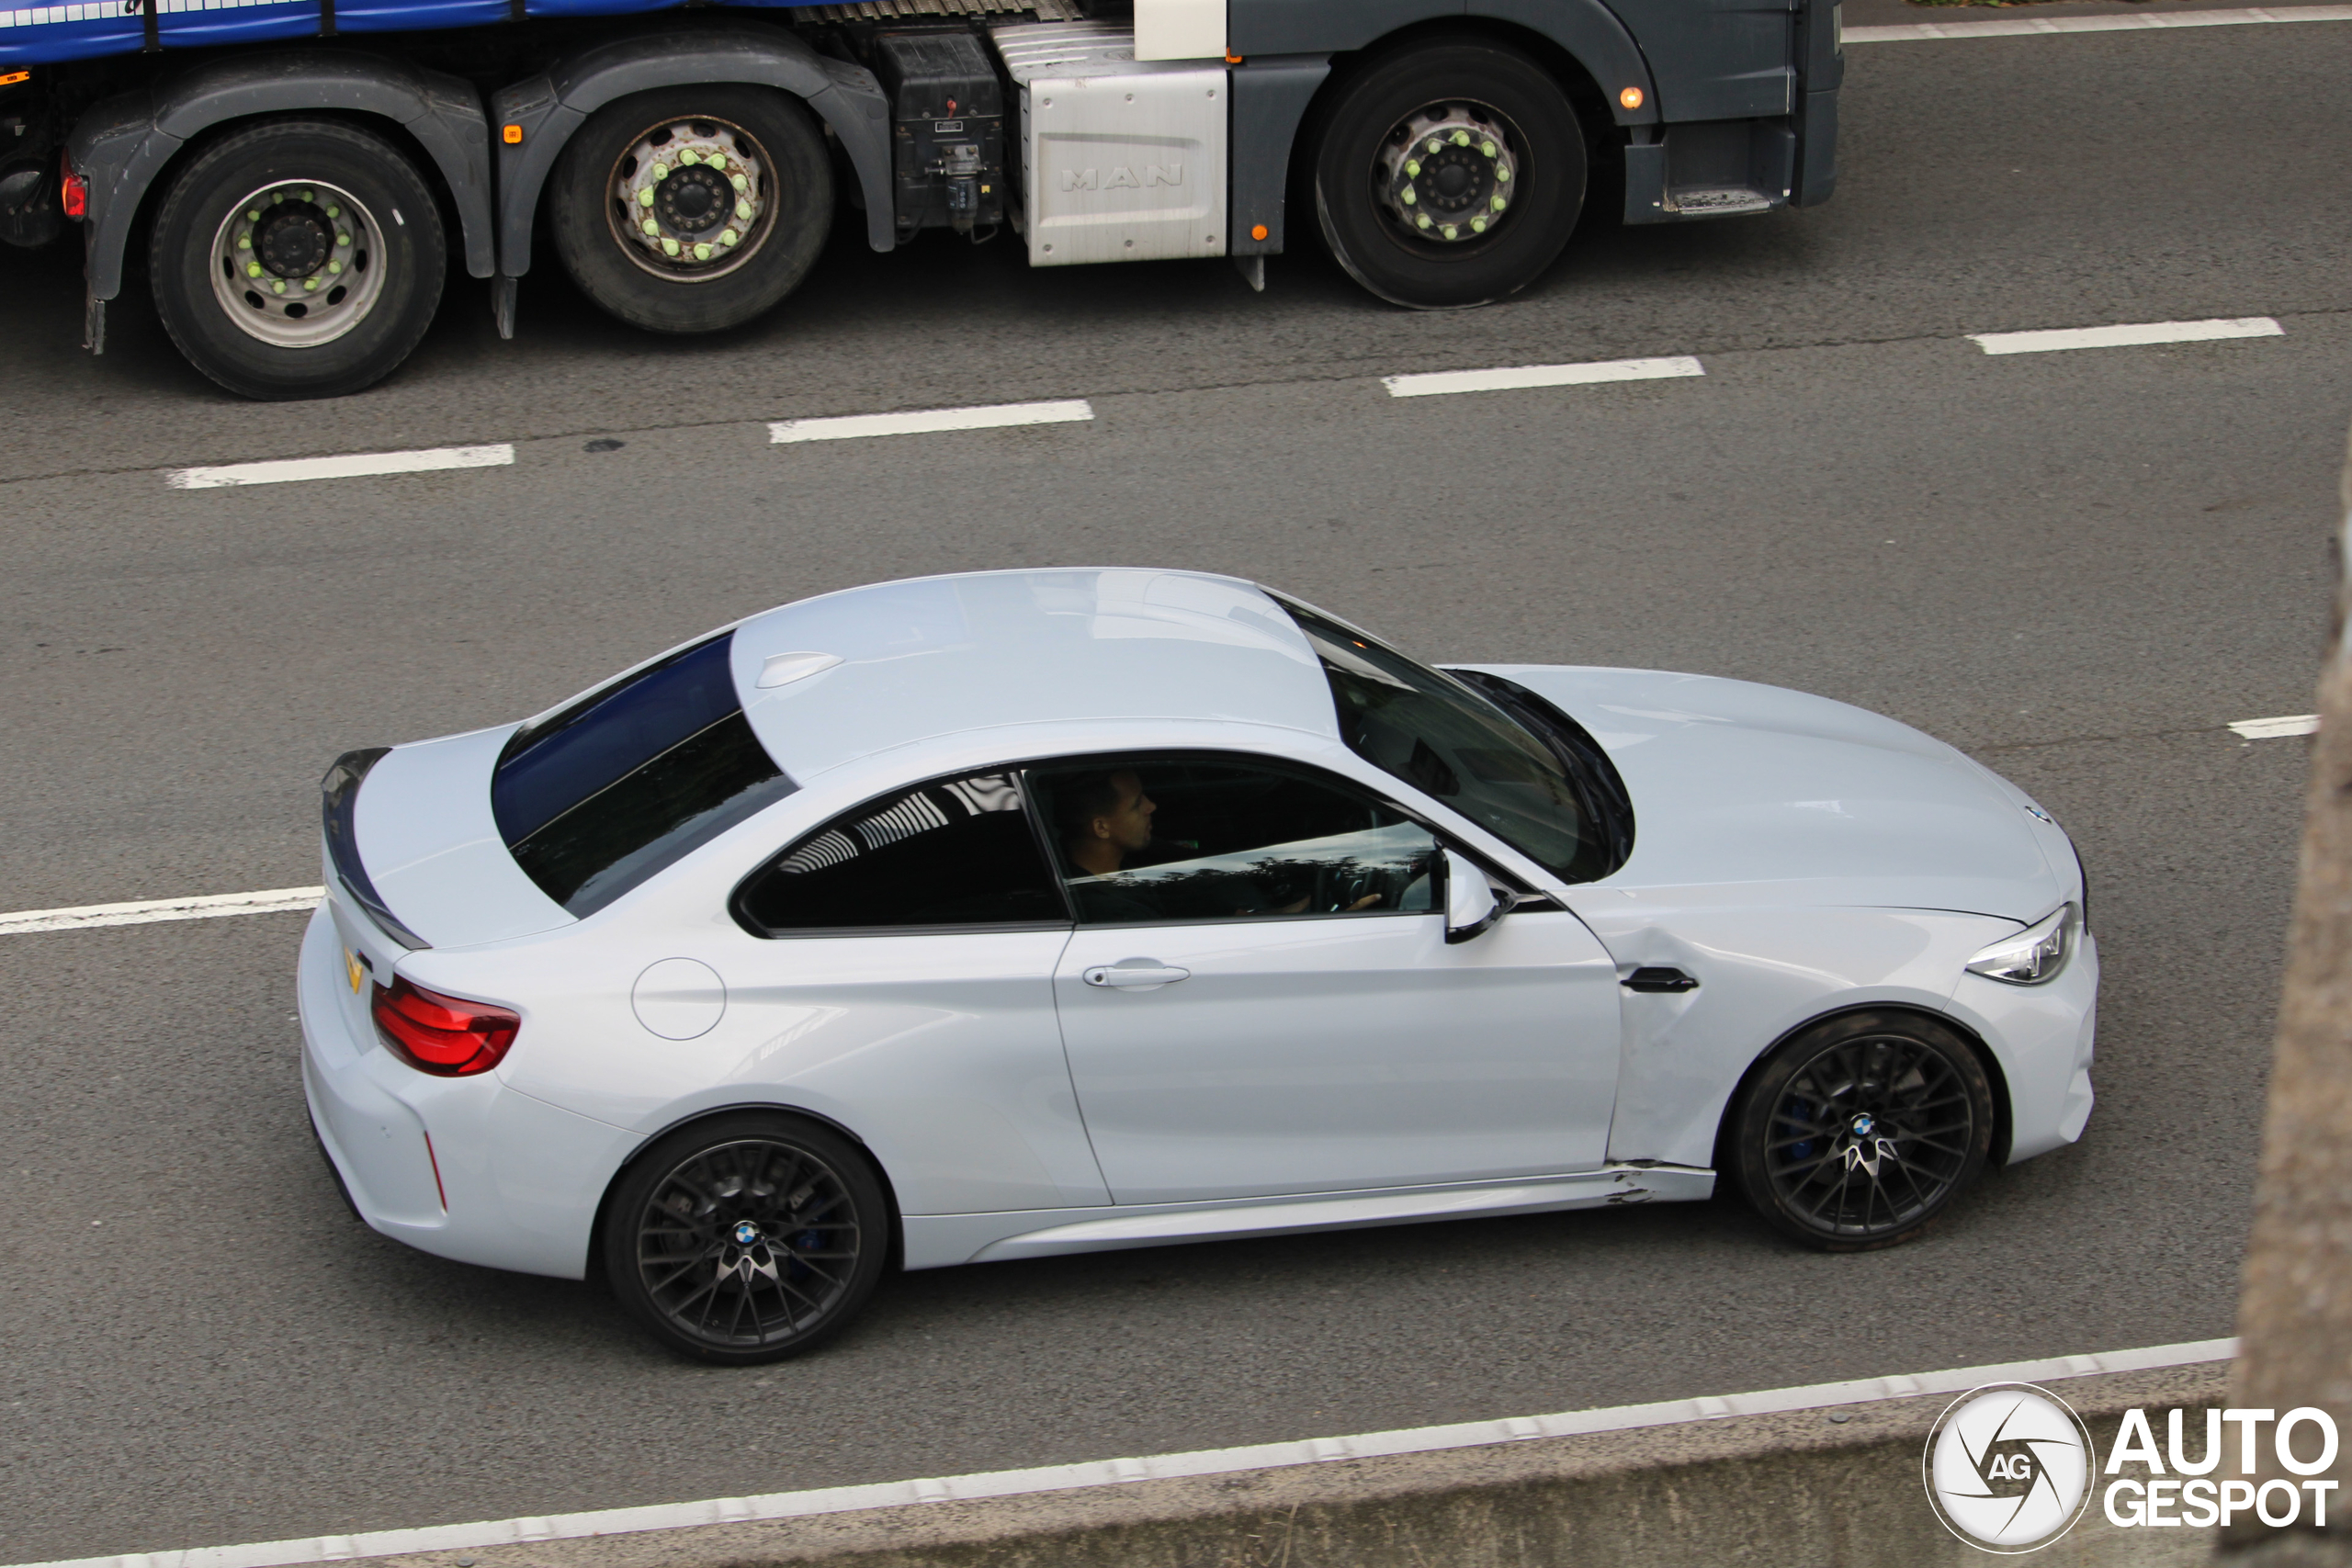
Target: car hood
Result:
[423, 830]
[1768, 795]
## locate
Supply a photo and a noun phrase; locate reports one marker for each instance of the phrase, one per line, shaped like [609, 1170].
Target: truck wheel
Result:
[692, 209]
[298, 259]
[1448, 175]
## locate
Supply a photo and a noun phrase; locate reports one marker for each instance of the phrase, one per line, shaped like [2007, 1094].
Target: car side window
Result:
[953, 852]
[1184, 840]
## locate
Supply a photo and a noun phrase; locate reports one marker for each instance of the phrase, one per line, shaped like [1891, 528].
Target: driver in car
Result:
[1106, 820]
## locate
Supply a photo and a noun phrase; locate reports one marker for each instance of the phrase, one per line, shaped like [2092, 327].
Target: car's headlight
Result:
[2033, 956]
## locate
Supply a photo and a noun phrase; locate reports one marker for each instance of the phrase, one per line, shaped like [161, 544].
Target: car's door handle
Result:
[1133, 976]
[1659, 978]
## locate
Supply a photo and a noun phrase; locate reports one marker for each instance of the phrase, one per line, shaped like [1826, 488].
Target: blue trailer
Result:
[299, 172]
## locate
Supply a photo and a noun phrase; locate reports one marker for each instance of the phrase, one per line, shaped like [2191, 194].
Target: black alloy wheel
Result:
[747, 1238]
[298, 259]
[1859, 1133]
[692, 209]
[1448, 174]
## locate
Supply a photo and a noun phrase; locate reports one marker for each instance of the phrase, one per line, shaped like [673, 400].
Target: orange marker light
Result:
[1258, 232]
[513, 134]
[1630, 98]
[1231, 58]
[13, 77]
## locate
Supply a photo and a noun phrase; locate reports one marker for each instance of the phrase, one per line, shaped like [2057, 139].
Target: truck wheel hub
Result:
[693, 200]
[1447, 172]
[688, 199]
[293, 240]
[297, 264]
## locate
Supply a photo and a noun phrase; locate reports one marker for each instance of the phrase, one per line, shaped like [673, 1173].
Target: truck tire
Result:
[694, 208]
[298, 259]
[1448, 175]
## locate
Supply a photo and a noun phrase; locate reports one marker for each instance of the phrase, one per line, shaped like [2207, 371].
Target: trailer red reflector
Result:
[73, 195]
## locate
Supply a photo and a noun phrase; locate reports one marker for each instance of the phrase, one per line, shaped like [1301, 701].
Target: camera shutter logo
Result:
[2008, 1467]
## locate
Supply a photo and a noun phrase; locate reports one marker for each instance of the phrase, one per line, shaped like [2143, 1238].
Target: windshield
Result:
[595, 798]
[1445, 739]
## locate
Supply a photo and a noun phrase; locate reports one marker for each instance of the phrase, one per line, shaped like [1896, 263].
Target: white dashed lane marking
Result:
[2063, 338]
[2277, 728]
[1070, 410]
[1442, 383]
[2012, 27]
[145, 912]
[289, 470]
[851, 428]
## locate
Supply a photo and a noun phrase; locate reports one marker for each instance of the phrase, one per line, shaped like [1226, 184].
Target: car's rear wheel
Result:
[748, 1238]
[1859, 1132]
[692, 209]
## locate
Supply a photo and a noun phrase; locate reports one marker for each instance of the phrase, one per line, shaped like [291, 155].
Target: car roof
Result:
[939, 656]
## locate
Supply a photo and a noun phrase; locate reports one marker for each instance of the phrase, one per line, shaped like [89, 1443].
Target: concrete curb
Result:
[1796, 1489]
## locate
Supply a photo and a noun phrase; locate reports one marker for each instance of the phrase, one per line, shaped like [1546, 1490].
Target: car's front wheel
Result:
[1857, 1134]
[748, 1238]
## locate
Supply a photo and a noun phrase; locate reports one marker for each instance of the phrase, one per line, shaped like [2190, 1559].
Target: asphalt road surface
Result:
[2079, 566]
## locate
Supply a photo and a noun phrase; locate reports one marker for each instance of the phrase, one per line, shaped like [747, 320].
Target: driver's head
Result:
[1105, 811]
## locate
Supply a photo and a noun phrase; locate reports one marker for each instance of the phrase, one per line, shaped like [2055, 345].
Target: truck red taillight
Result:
[73, 195]
[446, 1036]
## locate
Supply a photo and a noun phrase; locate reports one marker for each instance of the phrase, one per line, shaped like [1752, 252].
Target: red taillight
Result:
[73, 195]
[445, 1036]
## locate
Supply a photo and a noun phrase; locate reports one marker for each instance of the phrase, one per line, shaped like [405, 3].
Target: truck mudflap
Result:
[120, 145]
[537, 117]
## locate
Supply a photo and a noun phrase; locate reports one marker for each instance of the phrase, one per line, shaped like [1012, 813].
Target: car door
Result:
[1261, 998]
[897, 975]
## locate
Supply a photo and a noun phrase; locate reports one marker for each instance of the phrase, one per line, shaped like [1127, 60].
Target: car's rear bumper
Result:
[465, 1169]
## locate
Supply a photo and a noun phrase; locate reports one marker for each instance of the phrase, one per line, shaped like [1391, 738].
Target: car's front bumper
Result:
[2042, 1036]
[465, 1169]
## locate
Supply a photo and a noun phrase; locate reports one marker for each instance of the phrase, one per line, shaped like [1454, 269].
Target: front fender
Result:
[1763, 973]
[548, 108]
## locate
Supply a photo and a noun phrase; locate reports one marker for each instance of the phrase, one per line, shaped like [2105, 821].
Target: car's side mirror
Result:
[1472, 904]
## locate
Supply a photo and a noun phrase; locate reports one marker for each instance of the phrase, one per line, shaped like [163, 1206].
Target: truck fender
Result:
[1593, 36]
[536, 116]
[120, 145]
[1587, 29]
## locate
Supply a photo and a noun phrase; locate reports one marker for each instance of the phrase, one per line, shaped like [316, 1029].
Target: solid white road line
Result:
[354, 466]
[145, 912]
[1157, 1467]
[2010, 27]
[1441, 383]
[849, 427]
[2275, 729]
[2063, 338]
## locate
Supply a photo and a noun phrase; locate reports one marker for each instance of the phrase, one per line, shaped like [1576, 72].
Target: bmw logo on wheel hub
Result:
[746, 1233]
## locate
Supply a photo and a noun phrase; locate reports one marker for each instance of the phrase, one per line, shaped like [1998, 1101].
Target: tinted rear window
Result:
[595, 798]
[954, 853]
